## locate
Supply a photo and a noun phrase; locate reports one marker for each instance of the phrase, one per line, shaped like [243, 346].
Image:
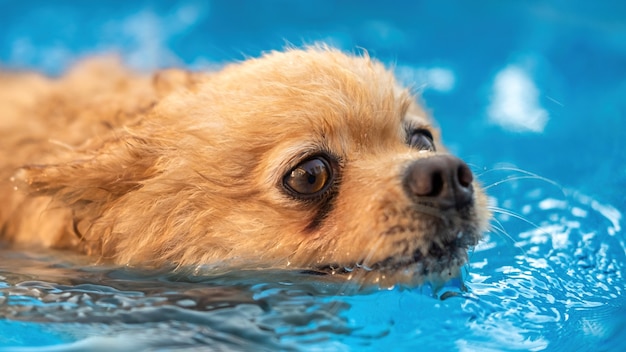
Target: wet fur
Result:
[187, 168]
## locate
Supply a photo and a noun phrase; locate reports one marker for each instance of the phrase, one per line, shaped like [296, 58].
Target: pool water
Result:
[531, 94]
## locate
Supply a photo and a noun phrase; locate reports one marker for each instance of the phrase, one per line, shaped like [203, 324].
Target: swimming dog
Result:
[307, 159]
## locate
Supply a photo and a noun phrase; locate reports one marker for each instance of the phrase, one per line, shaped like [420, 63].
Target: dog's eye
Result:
[310, 177]
[421, 139]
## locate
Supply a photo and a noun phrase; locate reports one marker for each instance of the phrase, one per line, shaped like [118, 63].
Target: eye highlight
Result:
[309, 178]
[421, 139]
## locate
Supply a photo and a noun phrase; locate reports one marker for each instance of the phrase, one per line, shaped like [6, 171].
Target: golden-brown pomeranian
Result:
[307, 159]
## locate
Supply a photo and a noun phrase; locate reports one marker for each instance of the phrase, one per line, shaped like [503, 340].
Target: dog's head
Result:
[308, 159]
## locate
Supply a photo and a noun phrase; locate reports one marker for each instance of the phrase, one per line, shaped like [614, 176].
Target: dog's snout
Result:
[444, 181]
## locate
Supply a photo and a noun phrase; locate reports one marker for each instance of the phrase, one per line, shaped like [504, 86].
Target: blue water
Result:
[530, 93]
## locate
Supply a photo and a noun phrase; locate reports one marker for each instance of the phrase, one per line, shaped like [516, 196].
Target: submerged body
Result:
[306, 159]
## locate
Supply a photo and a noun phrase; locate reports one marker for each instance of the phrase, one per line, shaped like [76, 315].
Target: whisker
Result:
[501, 231]
[507, 168]
[517, 216]
[511, 214]
[527, 175]
[516, 178]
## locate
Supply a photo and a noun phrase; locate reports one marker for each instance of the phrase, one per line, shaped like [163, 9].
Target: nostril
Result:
[437, 183]
[426, 179]
[419, 184]
[464, 175]
[463, 190]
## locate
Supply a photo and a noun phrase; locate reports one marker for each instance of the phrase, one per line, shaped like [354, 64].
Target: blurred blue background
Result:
[570, 54]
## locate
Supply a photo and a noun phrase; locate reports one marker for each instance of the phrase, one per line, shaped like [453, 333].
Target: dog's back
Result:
[42, 119]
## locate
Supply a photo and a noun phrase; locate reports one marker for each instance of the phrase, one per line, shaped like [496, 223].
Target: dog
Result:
[308, 159]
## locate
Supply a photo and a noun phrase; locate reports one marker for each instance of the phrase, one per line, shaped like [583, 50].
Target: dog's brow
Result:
[404, 106]
[405, 102]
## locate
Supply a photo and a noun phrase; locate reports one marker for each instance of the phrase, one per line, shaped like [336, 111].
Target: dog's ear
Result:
[90, 180]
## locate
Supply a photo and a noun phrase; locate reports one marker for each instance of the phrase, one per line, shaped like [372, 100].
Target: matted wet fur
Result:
[300, 159]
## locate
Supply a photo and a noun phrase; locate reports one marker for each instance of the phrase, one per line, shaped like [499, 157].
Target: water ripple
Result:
[556, 286]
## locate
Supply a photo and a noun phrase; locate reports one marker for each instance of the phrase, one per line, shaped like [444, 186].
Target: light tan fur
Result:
[187, 168]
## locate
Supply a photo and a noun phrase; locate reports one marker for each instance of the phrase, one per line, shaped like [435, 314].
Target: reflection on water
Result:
[550, 280]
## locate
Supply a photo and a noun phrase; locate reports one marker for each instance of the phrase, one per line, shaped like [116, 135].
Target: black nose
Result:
[443, 181]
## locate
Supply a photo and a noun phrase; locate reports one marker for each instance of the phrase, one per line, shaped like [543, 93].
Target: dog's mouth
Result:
[441, 261]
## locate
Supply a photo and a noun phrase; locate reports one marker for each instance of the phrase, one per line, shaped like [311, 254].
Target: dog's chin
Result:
[440, 263]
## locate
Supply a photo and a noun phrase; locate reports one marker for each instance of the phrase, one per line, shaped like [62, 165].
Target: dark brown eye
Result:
[310, 177]
[421, 139]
